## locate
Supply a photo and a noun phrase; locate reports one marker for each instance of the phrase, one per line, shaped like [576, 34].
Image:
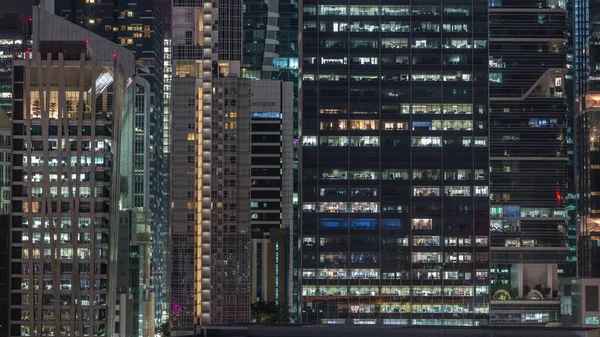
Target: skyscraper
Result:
[12, 45]
[589, 127]
[271, 52]
[138, 26]
[70, 98]
[528, 157]
[394, 163]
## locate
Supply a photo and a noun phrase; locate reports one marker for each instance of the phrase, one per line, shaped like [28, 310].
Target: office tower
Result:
[12, 45]
[271, 52]
[5, 200]
[137, 26]
[71, 99]
[271, 148]
[528, 158]
[589, 127]
[211, 126]
[4, 274]
[161, 237]
[394, 163]
[5, 162]
[191, 125]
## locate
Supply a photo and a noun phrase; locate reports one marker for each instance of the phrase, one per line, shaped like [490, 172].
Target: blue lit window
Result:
[421, 125]
[512, 211]
[391, 223]
[364, 223]
[266, 115]
[334, 223]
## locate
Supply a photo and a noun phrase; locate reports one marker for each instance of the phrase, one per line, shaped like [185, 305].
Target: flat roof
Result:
[354, 330]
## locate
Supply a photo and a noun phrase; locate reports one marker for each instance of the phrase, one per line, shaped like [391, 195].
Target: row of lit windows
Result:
[415, 291]
[63, 253]
[72, 144]
[64, 207]
[427, 141]
[385, 10]
[360, 274]
[418, 240]
[38, 177]
[392, 174]
[82, 222]
[420, 191]
[414, 108]
[401, 43]
[340, 260]
[526, 212]
[65, 284]
[75, 161]
[399, 174]
[342, 207]
[374, 124]
[82, 237]
[385, 27]
[84, 191]
[373, 141]
[388, 223]
[461, 77]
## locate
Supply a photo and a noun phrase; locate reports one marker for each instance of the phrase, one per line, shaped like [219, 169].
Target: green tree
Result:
[164, 330]
[70, 109]
[269, 312]
[36, 108]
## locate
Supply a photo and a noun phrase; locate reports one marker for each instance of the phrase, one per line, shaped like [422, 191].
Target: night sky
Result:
[23, 7]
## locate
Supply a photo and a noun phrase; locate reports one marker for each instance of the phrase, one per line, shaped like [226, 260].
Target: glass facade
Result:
[589, 127]
[528, 111]
[395, 166]
[138, 26]
[271, 52]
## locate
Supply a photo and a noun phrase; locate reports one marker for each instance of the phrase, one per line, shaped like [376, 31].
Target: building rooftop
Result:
[303, 330]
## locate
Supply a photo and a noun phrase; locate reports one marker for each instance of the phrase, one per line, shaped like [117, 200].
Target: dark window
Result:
[591, 298]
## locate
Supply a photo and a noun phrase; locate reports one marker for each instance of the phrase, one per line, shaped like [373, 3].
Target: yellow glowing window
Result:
[191, 136]
[190, 205]
[107, 27]
[595, 193]
[92, 20]
[595, 167]
[233, 125]
[233, 115]
[130, 14]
